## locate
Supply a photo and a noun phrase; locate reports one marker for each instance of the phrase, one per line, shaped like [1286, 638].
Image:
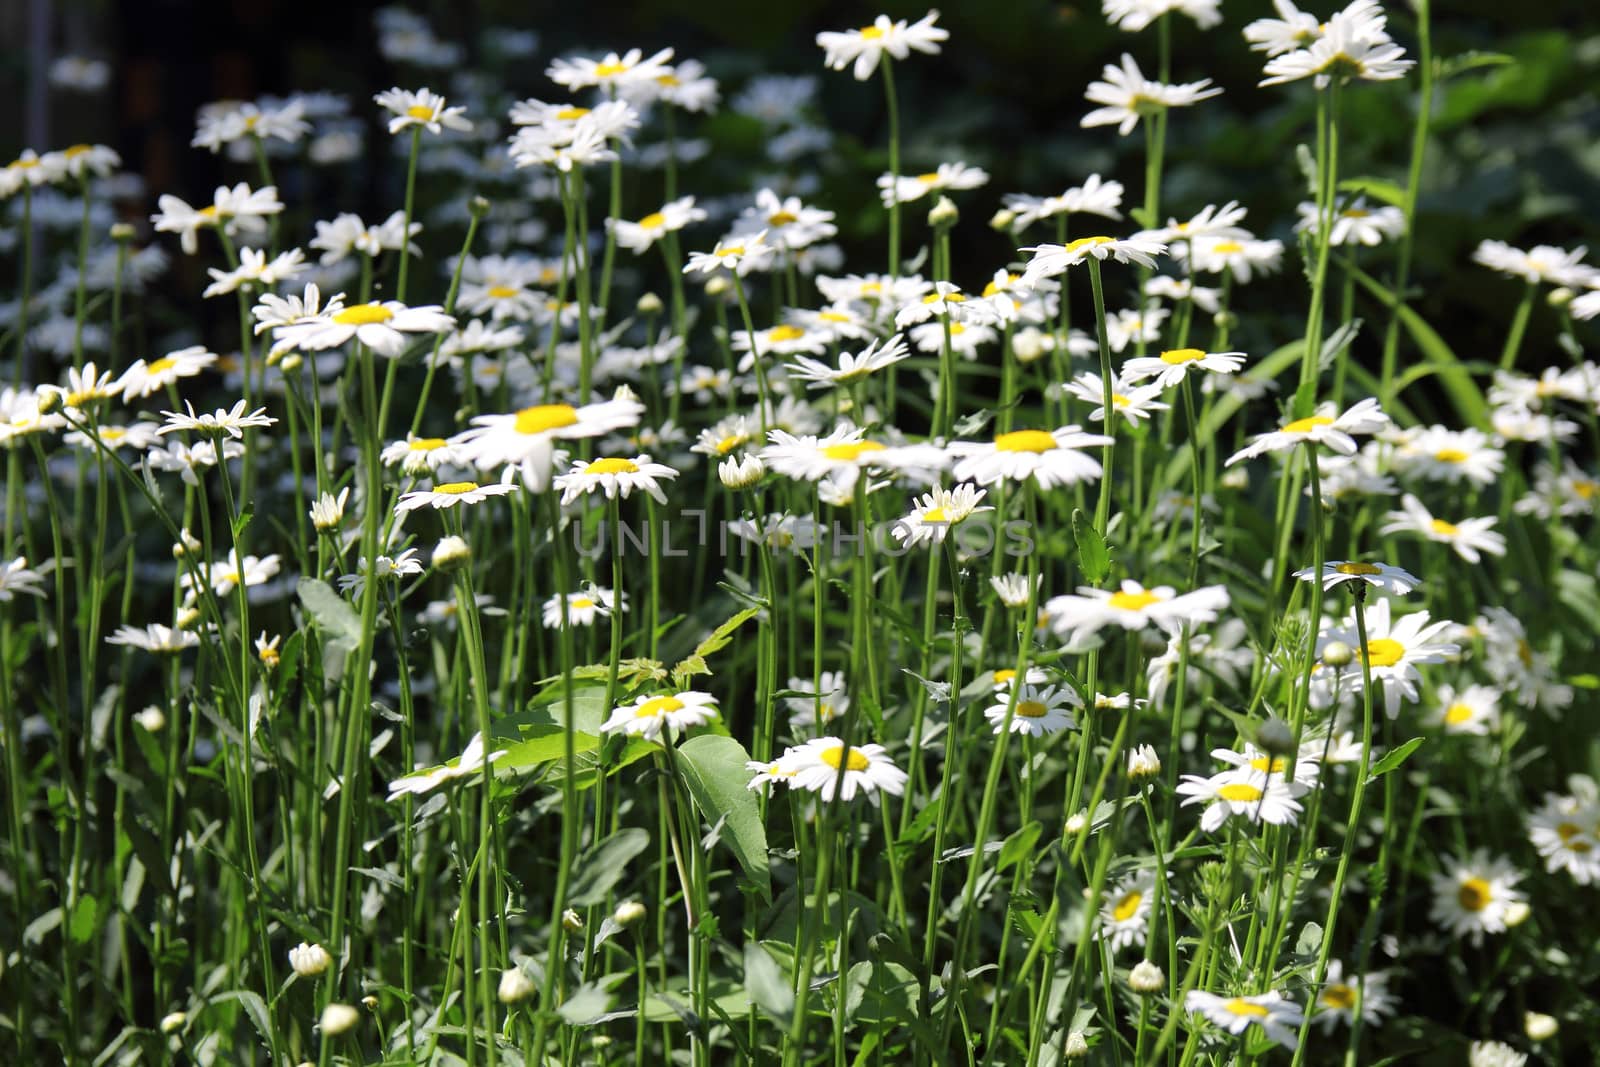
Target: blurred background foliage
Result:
[1515, 151]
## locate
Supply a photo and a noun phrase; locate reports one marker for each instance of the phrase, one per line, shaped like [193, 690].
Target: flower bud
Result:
[1031, 344]
[479, 206]
[628, 913]
[572, 921]
[1275, 738]
[173, 1022]
[1237, 479]
[1143, 763]
[1146, 979]
[309, 961]
[48, 399]
[1559, 297]
[1225, 320]
[1338, 654]
[741, 473]
[1539, 1027]
[451, 554]
[717, 285]
[1517, 913]
[944, 215]
[291, 362]
[1075, 825]
[1001, 220]
[515, 986]
[1077, 1047]
[369, 1002]
[151, 719]
[649, 304]
[123, 232]
[338, 1019]
[187, 617]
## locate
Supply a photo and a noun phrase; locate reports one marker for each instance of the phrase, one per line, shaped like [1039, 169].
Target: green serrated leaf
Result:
[719, 637]
[713, 768]
[1019, 845]
[1394, 758]
[1093, 557]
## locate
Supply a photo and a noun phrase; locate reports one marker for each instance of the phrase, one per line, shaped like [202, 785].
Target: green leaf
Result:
[1019, 845]
[254, 1007]
[768, 988]
[1377, 188]
[600, 868]
[1464, 393]
[1093, 557]
[718, 638]
[714, 770]
[328, 610]
[1309, 943]
[1396, 757]
[84, 914]
[589, 1001]
[545, 743]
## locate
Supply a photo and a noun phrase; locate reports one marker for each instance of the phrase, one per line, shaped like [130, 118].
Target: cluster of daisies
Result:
[565, 407]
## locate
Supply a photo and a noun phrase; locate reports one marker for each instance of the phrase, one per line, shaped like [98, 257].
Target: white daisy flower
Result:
[819, 706]
[1450, 456]
[1469, 537]
[1475, 710]
[1134, 403]
[866, 47]
[527, 437]
[1255, 796]
[614, 476]
[1038, 712]
[1342, 999]
[404, 565]
[1125, 96]
[1348, 48]
[469, 763]
[1013, 591]
[937, 513]
[903, 189]
[651, 716]
[1172, 366]
[1324, 428]
[161, 640]
[1051, 260]
[819, 375]
[448, 494]
[639, 236]
[1243, 256]
[1050, 458]
[422, 108]
[1095, 196]
[583, 608]
[383, 326]
[815, 766]
[629, 69]
[255, 269]
[1133, 607]
[1472, 896]
[1356, 223]
[1391, 580]
[1125, 910]
[16, 578]
[740, 254]
[347, 235]
[142, 379]
[1394, 649]
[1135, 15]
[1565, 831]
[231, 421]
[787, 221]
[1278, 1017]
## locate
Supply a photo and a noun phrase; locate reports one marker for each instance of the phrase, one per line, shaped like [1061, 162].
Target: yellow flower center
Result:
[1178, 356]
[112, 433]
[1025, 441]
[1444, 529]
[76, 150]
[785, 332]
[1128, 906]
[1227, 248]
[363, 315]
[1133, 601]
[1355, 213]
[928, 178]
[269, 656]
[542, 418]
[1339, 997]
[1268, 765]
[580, 602]
[1003, 677]
[1088, 242]
[856, 761]
[731, 442]
[1031, 709]
[1307, 425]
[425, 444]
[1474, 894]
[609, 70]
[851, 450]
[935, 515]
[503, 292]
[658, 706]
[654, 220]
[1239, 792]
[208, 214]
[1458, 713]
[730, 250]
[571, 114]
[1358, 568]
[948, 298]
[995, 287]
[1524, 652]
[1384, 652]
[612, 466]
[420, 113]
[165, 363]
[1240, 1006]
[782, 218]
[871, 33]
[455, 488]
[1450, 455]
[1119, 401]
[1585, 489]
[668, 80]
[833, 316]
[26, 164]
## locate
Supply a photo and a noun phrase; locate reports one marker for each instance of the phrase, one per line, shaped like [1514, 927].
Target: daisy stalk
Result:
[20, 362]
[1353, 823]
[755, 358]
[1102, 510]
[1305, 396]
[891, 101]
[405, 233]
[1519, 325]
[474, 217]
[81, 290]
[672, 256]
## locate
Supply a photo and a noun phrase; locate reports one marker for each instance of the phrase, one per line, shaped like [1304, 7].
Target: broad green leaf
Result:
[1019, 845]
[600, 868]
[544, 744]
[1377, 188]
[1093, 557]
[329, 612]
[769, 989]
[714, 770]
[588, 1002]
[719, 637]
[84, 914]
[256, 1008]
[1464, 393]
[1394, 759]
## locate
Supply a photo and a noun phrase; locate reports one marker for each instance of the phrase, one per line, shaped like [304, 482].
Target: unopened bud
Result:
[1517, 913]
[717, 285]
[339, 1019]
[151, 719]
[1146, 978]
[173, 1022]
[1539, 1027]
[1225, 320]
[451, 554]
[123, 232]
[944, 214]
[741, 472]
[1338, 654]
[1559, 297]
[1143, 763]
[1077, 1046]
[515, 986]
[1075, 825]
[48, 399]
[291, 363]
[1275, 737]
[479, 206]
[649, 304]
[309, 961]
[572, 921]
[1001, 220]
